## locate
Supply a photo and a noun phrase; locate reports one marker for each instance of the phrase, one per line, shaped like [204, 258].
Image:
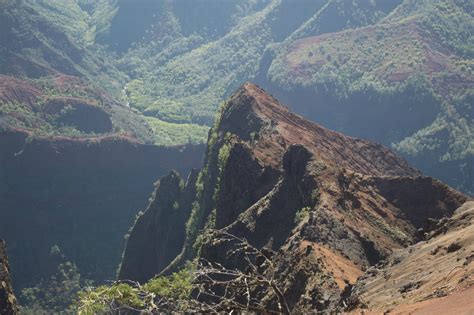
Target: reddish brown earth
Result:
[14, 90]
[457, 303]
[324, 206]
[434, 275]
[437, 58]
[282, 128]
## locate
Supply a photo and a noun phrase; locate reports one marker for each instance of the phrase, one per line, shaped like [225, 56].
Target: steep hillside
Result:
[404, 81]
[53, 82]
[42, 38]
[322, 206]
[398, 72]
[8, 304]
[432, 276]
[182, 76]
[153, 248]
[78, 194]
[161, 20]
[64, 105]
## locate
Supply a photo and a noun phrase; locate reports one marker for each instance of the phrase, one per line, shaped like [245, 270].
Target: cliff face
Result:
[79, 194]
[153, 249]
[8, 304]
[324, 206]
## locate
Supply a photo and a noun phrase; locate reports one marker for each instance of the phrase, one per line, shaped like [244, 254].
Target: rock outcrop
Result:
[8, 304]
[169, 207]
[325, 207]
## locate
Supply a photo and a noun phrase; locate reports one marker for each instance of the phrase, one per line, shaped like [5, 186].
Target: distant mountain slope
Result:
[53, 82]
[405, 81]
[66, 106]
[43, 38]
[182, 66]
[182, 76]
[398, 72]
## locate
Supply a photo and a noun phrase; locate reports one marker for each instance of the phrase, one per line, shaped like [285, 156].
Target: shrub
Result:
[302, 214]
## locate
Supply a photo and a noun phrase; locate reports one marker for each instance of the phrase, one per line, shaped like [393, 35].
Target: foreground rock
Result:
[323, 206]
[8, 304]
[438, 271]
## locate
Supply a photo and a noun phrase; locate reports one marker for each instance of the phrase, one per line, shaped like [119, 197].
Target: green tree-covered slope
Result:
[396, 71]
[405, 81]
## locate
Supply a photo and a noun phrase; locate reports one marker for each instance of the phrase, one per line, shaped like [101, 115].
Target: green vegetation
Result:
[21, 116]
[190, 86]
[48, 37]
[206, 234]
[302, 214]
[181, 76]
[172, 134]
[176, 286]
[450, 21]
[198, 226]
[177, 67]
[56, 293]
[99, 300]
[133, 295]
[338, 15]
[224, 153]
[384, 55]
[403, 81]
[83, 20]
[71, 107]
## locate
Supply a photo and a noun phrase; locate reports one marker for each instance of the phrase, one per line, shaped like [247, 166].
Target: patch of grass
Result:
[173, 134]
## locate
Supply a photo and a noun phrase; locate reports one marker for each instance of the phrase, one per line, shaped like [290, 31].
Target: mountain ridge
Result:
[309, 197]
